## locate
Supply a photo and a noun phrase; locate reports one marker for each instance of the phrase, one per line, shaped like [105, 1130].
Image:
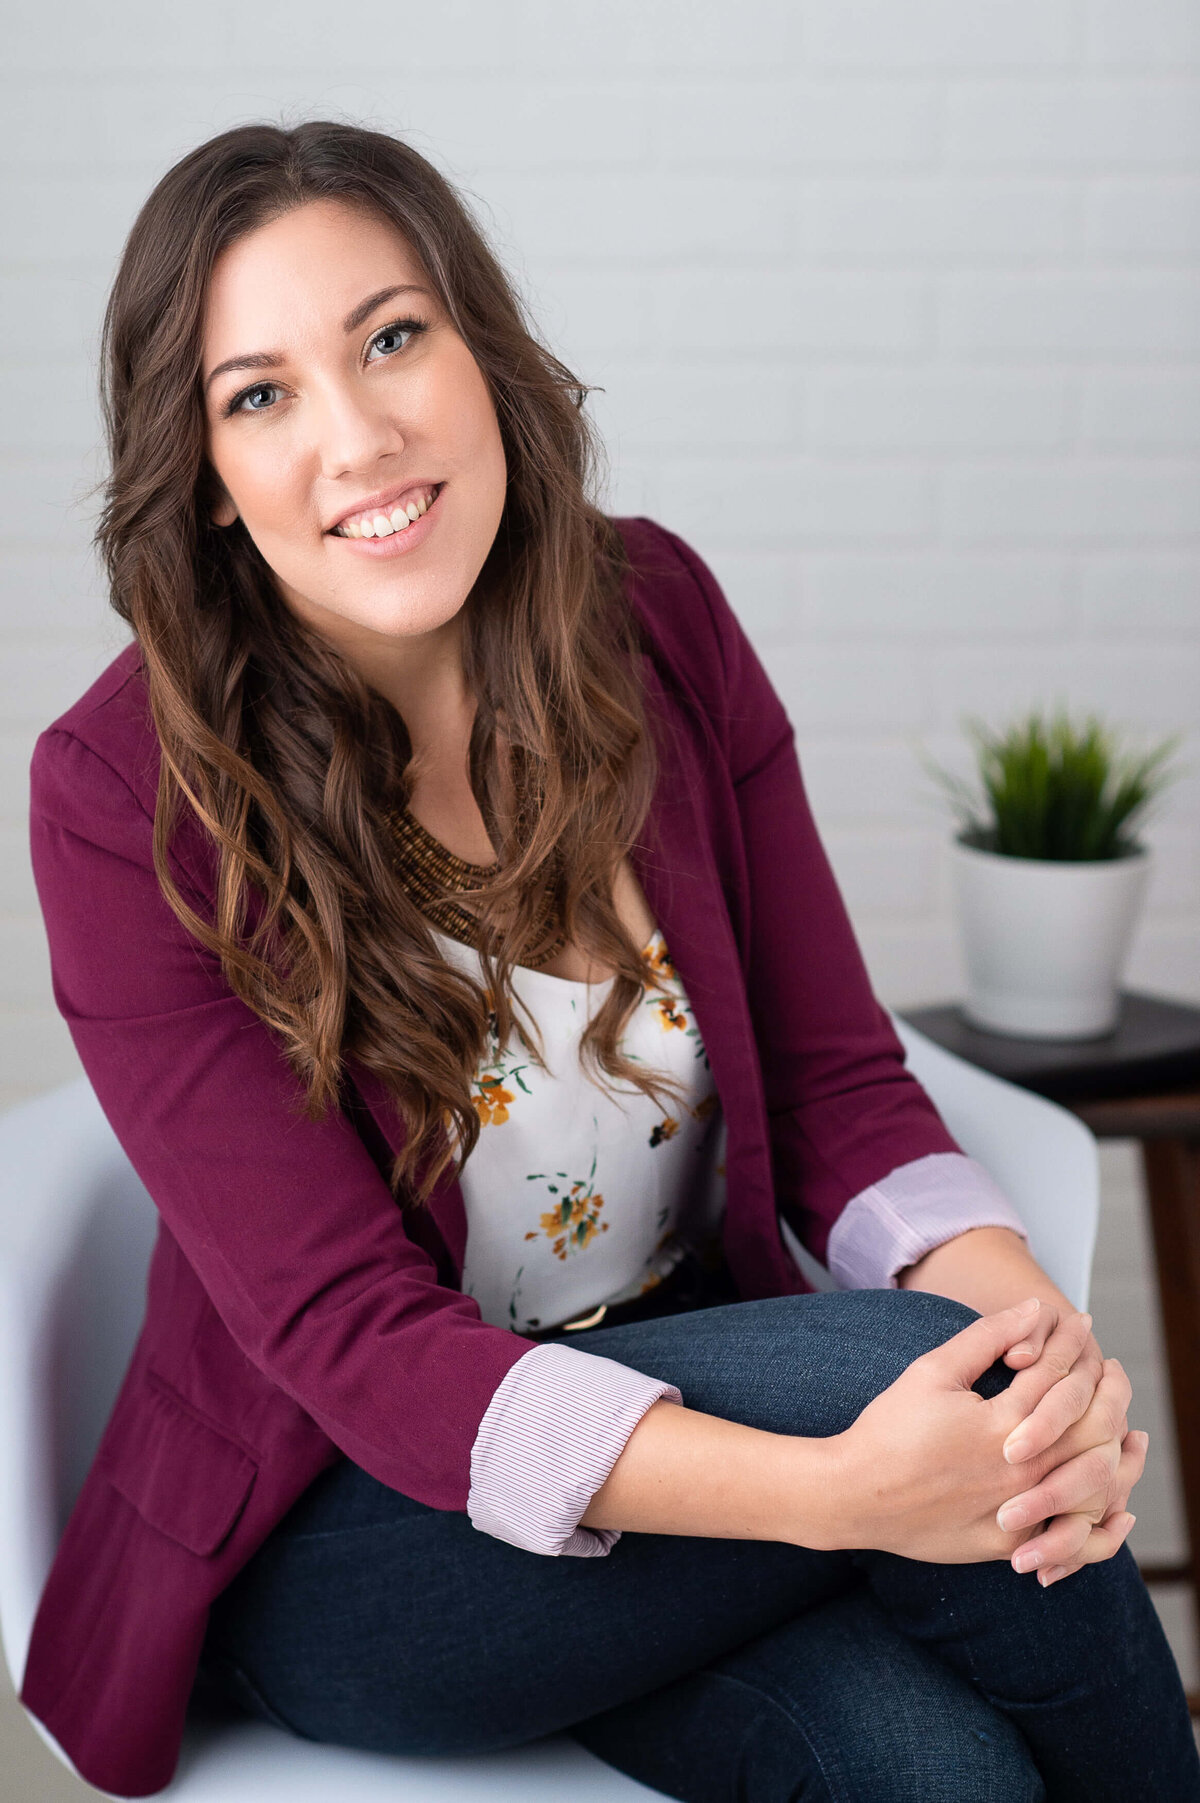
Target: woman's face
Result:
[344, 411]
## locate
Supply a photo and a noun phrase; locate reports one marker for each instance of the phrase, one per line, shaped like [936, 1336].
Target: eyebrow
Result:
[351, 323]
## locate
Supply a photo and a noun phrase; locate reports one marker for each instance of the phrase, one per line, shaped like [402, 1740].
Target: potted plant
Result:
[1048, 873]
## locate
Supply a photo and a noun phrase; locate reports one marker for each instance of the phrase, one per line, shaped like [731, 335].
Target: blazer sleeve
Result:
[287, 1222]
[866, 1172]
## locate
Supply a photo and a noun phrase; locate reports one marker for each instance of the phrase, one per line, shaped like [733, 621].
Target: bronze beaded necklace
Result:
[427, 869]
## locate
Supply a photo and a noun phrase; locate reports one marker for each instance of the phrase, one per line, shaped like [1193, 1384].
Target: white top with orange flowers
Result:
[576, 1195]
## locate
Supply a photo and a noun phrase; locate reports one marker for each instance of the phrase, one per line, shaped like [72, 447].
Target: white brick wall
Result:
[896, 314]
[897, 311]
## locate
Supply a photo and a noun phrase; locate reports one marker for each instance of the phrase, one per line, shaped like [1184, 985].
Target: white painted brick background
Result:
[896, 309]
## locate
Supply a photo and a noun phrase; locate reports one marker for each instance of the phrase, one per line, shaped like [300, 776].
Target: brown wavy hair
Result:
[288, 759]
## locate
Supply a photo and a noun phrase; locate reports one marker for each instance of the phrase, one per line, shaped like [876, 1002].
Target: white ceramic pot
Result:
[1045, 940]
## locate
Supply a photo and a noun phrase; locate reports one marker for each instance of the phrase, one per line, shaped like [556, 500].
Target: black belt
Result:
[694, 1282]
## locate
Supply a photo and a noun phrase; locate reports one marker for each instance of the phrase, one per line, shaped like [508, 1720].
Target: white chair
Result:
[76, 1232]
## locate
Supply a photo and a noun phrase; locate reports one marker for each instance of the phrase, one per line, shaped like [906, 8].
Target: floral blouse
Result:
[575, 1195]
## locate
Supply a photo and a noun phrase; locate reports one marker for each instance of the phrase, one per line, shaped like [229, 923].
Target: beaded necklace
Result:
[427, 868]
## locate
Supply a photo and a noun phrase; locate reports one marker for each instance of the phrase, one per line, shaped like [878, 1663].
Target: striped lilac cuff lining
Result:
[556, 1425]
[914, 1208]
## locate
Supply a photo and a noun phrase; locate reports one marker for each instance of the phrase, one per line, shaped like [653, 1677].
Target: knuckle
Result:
[1048, 1500]
[1111, 1419]
[1096, 1470]
[1084, 1396]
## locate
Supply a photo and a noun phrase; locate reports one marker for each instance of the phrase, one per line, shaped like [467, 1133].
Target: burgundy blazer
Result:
[294, 1313]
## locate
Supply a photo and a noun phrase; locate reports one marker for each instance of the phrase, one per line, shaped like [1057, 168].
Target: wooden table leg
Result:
[1172, 1167]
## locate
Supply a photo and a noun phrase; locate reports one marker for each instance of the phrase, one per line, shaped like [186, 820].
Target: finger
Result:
[1067, 1488]
[1103, 1541]
[1063, 1541]
[1102, 1418]
[966, 1355]
[1026, 1351]
[1060, 1416]
[1056, 1544]
[1063, 1349]
[1055, 1393]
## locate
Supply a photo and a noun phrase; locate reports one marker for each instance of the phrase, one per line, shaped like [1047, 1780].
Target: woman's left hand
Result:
[1080, 1502]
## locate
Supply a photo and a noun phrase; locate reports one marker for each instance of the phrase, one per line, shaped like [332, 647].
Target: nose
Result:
[354, 431]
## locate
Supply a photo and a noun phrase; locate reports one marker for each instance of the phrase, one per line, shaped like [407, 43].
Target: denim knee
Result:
[923, 1320]
[804, 1364]
[850, 1345]
[769, 1748]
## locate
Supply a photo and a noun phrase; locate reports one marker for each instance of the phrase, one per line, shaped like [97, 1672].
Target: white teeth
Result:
[382, 525]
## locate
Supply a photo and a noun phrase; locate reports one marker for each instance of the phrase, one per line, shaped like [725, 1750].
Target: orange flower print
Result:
[494, 1074]
[491, 1103]
[659, 959]
[573, 1221]
[704, 1108]
[666, 1129]
[670, 1014]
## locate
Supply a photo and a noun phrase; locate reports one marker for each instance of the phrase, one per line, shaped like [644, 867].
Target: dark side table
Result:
[1142, 1081]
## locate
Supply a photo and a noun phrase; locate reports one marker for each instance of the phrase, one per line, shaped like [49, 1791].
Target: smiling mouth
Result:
[384, 523]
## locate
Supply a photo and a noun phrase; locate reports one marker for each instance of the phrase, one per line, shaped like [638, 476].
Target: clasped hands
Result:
[1074, 1458]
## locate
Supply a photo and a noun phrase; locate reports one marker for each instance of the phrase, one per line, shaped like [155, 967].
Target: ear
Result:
[213, 498]
[224, 511]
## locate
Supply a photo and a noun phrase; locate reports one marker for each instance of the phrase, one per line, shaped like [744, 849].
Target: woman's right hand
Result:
[922, 1470]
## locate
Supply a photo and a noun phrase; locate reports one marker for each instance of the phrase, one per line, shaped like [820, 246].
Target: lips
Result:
[384, 540]
[387, 501]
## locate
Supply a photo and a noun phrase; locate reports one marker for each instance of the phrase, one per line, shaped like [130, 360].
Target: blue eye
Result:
[411, 326]
[397, 327]
[235, 405]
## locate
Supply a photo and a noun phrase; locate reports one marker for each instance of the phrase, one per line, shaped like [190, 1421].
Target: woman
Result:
[437, 911]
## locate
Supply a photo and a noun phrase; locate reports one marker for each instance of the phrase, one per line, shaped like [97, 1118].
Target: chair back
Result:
[76, 1232]
[1042, 1156]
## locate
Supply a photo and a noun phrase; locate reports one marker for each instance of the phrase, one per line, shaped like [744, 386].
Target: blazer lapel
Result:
[691, 835]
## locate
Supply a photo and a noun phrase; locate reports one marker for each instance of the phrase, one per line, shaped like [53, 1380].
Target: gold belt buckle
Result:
[586, 1320]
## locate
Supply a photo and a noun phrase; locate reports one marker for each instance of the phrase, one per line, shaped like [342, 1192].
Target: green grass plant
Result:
[1054, 789]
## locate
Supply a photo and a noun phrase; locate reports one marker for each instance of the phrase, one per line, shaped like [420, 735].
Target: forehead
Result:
[300, 273]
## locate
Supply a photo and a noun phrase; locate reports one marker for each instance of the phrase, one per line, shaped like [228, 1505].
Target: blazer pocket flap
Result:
[182, 1475]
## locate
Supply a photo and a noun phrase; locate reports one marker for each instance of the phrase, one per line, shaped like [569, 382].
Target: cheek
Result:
[267, 485]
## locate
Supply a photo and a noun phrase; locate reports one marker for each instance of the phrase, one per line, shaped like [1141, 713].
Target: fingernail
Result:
[1023, 1347]
[1130, 1519]
[1016, 1450]
[1026, 1560]
[1087, 1322]
[1029, 1308]
[1051, 1574]
[1009, 1518]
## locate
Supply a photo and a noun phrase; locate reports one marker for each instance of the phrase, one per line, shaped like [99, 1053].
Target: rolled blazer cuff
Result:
[555, 1427]
[914, 1208]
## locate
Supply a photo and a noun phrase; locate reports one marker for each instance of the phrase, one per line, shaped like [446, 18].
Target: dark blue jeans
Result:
[717, 1671]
